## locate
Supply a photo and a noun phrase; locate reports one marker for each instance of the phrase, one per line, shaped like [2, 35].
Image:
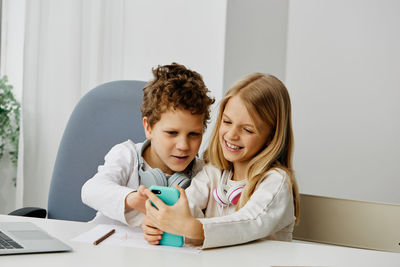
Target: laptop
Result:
[26, 237]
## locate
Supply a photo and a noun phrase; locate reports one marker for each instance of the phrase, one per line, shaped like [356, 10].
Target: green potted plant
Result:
[9, 122]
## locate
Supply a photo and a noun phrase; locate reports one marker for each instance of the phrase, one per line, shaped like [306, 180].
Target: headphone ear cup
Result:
[159, 177]
[185, 183]
[234, 194]
[220, 198]
[180, 179]
[152, 177]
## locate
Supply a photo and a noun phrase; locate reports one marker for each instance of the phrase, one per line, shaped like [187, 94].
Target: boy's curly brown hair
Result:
[175, 87]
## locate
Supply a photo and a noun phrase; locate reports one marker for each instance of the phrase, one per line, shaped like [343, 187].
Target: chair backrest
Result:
[107, 115]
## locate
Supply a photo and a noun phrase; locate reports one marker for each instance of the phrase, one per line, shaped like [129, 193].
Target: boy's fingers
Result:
[149, 230]
[141, 189]
[152, 239]
[151, 234]
[153, 242]
[182, 192]
[158, 202]
[148, 206]
[151, 211]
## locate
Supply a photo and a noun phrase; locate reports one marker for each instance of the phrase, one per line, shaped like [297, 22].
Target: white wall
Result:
[188, 32]
[343, 71]
[256, 33]
[80, 44]
[339, 60]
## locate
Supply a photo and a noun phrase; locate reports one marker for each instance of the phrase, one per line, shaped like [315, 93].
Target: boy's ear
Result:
[147, 128]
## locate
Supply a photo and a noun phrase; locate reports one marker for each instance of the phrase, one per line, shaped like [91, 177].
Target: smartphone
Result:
[169, 195]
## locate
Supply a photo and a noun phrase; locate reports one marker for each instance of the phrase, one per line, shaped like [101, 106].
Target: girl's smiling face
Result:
[241, 136]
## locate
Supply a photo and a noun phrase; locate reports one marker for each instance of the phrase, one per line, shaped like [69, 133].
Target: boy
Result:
[175, 112]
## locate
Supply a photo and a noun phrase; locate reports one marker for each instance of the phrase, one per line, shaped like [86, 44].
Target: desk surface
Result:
[260, 253]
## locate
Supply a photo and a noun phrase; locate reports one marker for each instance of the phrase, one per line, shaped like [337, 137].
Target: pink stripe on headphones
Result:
[218, 199]
[234, 196]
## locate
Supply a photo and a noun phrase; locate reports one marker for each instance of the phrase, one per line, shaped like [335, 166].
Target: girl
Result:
[247, 191]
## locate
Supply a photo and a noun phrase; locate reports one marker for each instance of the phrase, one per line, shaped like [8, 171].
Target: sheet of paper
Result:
[127, 237]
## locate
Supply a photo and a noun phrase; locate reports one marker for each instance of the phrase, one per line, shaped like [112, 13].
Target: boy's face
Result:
[175, 140]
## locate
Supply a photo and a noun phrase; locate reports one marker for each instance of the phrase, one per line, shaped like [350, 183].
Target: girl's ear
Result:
[147, 128]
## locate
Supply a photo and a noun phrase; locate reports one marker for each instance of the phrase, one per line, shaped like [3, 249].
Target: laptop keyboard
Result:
[7, 243]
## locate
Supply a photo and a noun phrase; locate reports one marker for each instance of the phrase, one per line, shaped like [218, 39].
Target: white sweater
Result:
[269, 213]
[107, 189]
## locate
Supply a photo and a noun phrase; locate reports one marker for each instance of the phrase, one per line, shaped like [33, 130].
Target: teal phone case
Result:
[169, 196]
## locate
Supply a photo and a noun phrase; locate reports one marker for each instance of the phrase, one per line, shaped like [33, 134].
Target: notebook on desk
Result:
[26, 237]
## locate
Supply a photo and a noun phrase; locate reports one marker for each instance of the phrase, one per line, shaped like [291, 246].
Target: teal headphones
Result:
[156, 176]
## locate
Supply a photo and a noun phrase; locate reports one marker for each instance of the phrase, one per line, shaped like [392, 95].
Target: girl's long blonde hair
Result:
[268, 97]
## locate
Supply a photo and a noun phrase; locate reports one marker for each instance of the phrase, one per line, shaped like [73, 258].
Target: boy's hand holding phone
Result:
[176, 219]
[137, 200]
[161, 198]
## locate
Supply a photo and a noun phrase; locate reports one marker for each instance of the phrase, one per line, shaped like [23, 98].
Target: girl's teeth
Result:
[232, 146]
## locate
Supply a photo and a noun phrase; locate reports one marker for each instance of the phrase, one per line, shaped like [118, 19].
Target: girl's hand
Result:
[151, 233]
[175, 219]
[137, 200]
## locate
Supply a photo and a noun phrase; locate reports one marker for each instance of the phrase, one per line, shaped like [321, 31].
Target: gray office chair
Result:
[107, 115]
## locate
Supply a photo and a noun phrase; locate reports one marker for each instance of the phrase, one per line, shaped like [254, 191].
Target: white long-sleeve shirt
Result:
[269, 213]
[107, 190]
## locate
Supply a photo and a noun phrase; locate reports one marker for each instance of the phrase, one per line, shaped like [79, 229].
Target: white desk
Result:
[261, 253]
